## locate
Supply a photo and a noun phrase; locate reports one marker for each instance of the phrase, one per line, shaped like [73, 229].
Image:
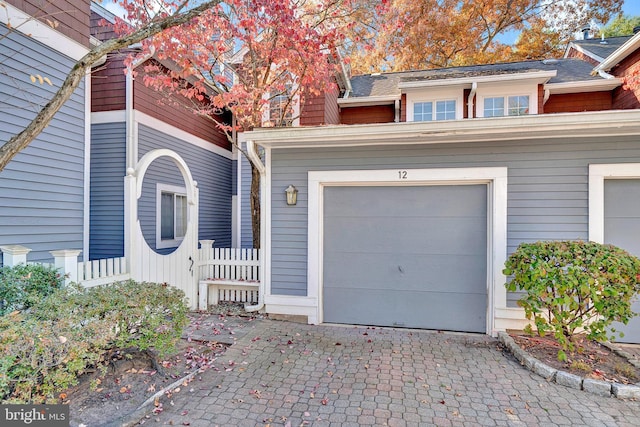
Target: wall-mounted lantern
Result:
[292, 195]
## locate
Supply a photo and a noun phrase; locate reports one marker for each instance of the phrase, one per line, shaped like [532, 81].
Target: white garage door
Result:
[408, 256]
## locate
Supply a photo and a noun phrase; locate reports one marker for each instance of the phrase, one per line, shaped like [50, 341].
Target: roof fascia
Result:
[365, 101]
[529, 127]
[583, 86]
[540, 77]
[620, 54]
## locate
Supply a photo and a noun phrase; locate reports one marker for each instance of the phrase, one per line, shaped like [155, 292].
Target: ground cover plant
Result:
[574, 288]
[46, 347]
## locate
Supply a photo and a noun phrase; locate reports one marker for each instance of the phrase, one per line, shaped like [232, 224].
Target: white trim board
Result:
[495, 178]
[147, 120]
[597, 174]
[31, 27]
[510, 128]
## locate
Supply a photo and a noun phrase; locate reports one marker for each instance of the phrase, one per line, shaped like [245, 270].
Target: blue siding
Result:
[246, 232]
[211, 171]
[547, 188]
[108, 159]
[42, 203]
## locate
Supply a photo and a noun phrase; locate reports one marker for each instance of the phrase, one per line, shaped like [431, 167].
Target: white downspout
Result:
[131, 143]
[547, 94]
[472, 94]
[131, 129]
[255, 159]
[605, 75]
[397, 106]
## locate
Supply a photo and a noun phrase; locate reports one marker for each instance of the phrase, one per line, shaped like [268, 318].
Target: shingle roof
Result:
[600, 48]
[386, 84]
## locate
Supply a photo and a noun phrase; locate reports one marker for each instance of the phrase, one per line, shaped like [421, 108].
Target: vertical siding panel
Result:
[106, 224]
[246, 232]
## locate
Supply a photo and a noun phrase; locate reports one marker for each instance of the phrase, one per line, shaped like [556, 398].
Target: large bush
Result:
[25, 285]
[574, 286]
[44, 350]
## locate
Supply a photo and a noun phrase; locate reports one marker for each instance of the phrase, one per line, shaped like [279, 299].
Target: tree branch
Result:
[20, 141]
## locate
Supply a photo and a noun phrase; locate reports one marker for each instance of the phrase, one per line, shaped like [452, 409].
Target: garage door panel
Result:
[405, 309]
[389, 271]
[352, 201]
[416, 256]
[622, 228]
[431, 235]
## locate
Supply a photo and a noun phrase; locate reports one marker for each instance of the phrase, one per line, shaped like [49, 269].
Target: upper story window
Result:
[517, 105]
[281, 108]
[434, 110]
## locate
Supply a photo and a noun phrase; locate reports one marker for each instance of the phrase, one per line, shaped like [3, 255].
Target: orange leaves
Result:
[418, 34]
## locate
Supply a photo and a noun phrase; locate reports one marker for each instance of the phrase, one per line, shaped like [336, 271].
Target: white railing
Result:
[87, 273]
[232, 274]
[102, 271]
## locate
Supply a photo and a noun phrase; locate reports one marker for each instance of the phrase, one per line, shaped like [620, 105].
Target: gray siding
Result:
[212, 173]
[547, 190]
[246, 232]
[108, 152]
[43, 186]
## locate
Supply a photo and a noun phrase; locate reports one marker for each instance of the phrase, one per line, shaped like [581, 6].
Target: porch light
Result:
[292, 195]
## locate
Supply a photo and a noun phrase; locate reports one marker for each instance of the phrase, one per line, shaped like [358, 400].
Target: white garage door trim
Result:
[496, 178]
[597, 175]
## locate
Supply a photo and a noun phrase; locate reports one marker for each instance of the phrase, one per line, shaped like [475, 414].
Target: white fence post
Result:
[13, 255]
[67, 261]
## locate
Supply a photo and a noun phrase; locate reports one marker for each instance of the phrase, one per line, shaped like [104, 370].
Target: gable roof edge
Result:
[620, 54]
[583, 51]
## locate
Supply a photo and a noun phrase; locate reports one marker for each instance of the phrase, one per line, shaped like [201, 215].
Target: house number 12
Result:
[402, 174]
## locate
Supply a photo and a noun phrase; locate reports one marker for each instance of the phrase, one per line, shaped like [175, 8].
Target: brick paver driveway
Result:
[283, 373]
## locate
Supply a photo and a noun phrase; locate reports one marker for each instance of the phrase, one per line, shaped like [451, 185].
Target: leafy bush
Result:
[574, 285]
[25, 285]
[43, 351]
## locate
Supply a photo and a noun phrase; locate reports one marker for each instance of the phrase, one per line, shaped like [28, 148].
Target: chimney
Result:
[585, 33]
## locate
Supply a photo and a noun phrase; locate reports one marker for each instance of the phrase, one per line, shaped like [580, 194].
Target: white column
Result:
[14, 254]
[67, 261]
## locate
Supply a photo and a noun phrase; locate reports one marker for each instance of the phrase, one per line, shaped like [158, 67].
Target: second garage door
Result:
[408, 256]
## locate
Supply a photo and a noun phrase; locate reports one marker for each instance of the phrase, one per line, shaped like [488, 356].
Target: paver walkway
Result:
[283, 373]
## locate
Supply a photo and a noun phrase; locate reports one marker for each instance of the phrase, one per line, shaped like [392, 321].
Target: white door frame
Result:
[494, 177]
[597, 174]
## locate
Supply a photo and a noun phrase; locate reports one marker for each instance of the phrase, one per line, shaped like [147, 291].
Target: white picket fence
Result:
[102, 271]
[227, 274]
[223, 274]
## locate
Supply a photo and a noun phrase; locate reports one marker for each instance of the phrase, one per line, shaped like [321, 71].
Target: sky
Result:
[630, 7]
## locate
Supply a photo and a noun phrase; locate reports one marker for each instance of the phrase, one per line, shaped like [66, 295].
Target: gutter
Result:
[255, 159]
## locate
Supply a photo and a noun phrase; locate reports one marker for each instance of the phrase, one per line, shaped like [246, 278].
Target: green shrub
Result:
[25, 285]
[43, 351]
[572, 286]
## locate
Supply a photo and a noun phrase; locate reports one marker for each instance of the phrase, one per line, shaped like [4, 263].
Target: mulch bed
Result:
[591, 359]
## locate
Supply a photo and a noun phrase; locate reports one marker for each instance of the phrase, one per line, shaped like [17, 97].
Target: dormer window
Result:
[434, 110]
[515, 106]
